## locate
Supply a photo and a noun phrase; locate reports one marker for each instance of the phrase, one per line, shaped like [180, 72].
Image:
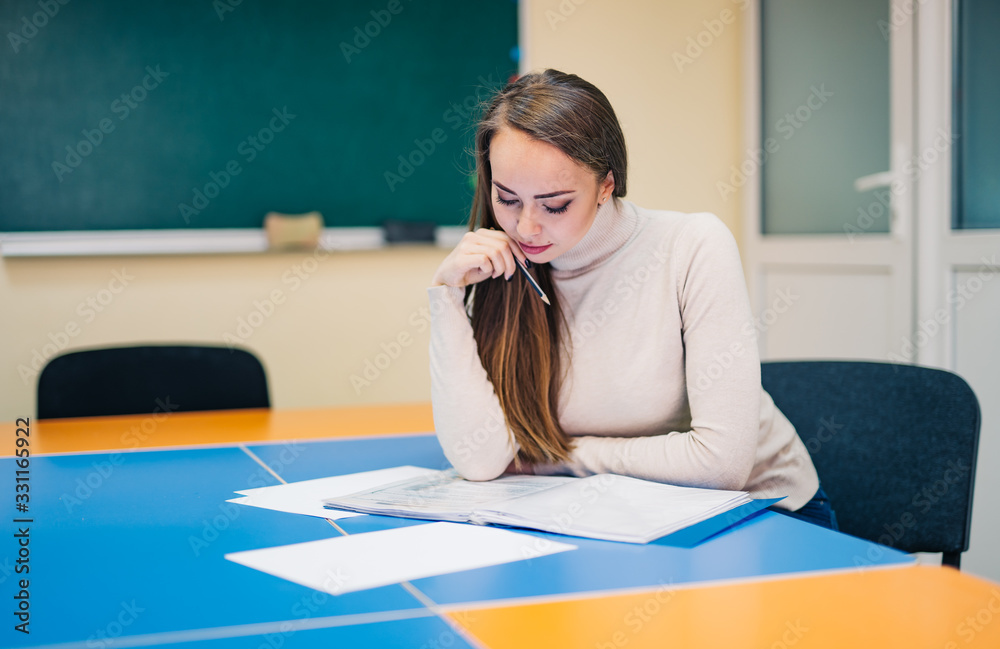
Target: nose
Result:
[528, 225]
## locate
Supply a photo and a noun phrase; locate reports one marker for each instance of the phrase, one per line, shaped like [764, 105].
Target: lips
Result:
[533, 250]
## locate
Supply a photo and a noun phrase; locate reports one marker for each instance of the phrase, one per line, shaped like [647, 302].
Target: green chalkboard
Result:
[174, 114]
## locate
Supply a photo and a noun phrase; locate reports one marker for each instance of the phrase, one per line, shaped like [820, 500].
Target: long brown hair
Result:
[518, 337]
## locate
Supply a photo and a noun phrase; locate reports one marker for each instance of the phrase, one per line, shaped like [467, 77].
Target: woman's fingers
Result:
[480, 254]
[491, 250]
[499, 235]
[508, 248]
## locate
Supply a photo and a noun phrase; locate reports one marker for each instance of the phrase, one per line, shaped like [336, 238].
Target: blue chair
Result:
[894, 445]
[151, 378]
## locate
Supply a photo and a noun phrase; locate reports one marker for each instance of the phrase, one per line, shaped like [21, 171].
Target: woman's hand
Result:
[479, 255]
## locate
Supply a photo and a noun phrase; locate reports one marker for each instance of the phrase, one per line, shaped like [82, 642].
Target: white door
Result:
[828, 243]
[847, 259]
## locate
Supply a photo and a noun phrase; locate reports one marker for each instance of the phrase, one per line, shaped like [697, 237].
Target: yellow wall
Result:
[347, 309]
[682, 118]
[336, 313]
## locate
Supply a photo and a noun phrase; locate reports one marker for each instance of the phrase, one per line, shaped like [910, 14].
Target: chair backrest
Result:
[894, 445]
[148, 379]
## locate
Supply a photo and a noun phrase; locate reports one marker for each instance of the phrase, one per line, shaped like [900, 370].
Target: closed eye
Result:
[550, 210]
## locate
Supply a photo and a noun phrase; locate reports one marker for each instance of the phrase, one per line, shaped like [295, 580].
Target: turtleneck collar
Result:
[613, 225]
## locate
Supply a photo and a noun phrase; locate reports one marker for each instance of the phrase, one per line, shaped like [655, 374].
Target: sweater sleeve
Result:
[721, 370]
[468, 420]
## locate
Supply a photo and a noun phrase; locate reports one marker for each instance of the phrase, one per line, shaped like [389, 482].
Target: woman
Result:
[646, 362]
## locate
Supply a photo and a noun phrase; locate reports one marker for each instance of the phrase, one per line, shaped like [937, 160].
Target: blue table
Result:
[126, 549]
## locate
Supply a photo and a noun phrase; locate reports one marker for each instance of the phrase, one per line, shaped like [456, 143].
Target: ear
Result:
[607, 186]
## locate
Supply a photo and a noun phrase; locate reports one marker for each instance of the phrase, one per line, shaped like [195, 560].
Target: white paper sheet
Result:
[306, 497]
[349, 563]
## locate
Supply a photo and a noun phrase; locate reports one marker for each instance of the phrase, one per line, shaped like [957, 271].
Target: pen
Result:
[531, 280]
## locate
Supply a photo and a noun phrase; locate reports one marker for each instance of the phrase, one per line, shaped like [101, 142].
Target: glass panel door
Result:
[825, 116]
[977, 115]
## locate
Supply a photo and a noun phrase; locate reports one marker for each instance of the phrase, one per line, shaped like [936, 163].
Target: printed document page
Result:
[616, 508]
[445, 495]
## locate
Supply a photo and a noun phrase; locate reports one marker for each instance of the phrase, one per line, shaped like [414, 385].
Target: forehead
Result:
[521, 162]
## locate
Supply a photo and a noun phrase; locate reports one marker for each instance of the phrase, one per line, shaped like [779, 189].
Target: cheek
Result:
[575, 228]
[505, 220]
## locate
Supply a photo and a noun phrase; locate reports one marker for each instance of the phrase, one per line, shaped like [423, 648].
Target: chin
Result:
[546, 256]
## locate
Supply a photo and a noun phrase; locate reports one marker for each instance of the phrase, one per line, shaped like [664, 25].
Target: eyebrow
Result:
[549, 195]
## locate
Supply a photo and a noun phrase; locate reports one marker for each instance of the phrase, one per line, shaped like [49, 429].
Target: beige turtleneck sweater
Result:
[664, 376]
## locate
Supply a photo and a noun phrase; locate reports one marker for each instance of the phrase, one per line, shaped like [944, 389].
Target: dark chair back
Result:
[148, 379]
[894, 445]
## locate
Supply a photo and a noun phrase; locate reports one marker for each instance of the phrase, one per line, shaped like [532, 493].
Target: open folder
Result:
[604, 506]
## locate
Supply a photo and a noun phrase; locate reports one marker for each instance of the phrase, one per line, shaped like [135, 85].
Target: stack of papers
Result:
[605, 506]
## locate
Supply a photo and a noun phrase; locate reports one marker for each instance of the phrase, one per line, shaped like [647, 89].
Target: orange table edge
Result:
[173, 429]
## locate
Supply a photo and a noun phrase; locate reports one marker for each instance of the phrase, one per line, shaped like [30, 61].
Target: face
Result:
[543, 199]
